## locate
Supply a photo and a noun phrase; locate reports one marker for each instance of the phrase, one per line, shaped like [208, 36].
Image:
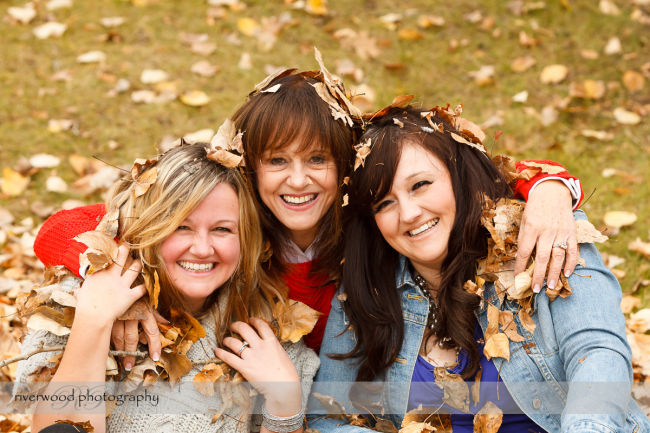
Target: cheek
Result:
[230, 251]
[265, 185]
[171, 248]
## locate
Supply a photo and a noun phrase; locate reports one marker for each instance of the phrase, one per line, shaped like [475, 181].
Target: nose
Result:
[409, 210]
[201, 245]
[298, 177]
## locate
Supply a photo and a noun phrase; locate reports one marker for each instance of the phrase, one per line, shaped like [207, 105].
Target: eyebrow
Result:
[412, 175]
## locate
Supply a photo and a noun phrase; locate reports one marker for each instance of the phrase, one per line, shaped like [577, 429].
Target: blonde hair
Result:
[185, 176]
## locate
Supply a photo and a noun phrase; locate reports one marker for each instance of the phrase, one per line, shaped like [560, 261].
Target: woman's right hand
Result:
[107, 294]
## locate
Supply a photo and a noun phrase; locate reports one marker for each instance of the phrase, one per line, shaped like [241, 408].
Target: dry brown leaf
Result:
[417, 427]
[13, 183]
[153, 76]
[640, 247]
[152, 285]
[488, 419]
[50, 30]
[225, 158]
[618, 219]
[363, 150]
[509, 326]
[629, 303]
[94, 56]
[633, 81]
[588, 89]
[204, 380]
[144, 181]
[385, 426]
[294, 319]
[39, 321]
[137, 375]
[521, 64]
[455, 389]
[191, 329]
[409, 35]
[527, 321]
[640, 321]
[546, 168]
[86, 426]
[139, 310]
[426, 21]
[626, 117]
[553, 74]
[497, 346]
[204, 68]
[492, 321]
[176, 365]
[334, 409]
[476, 387]
[195, 98]
[598, 135]
[586, 233]
[101, 252]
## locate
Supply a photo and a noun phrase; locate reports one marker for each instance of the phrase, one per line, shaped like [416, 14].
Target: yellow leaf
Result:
[497, 346]
[633, 81]
[248, 26]
[619, 219]
[488, 419]
[294, 319]
[554, 74]
[409, 35]
[195, 98]
[13, 183]
[316, 7]
[426, 21]
[204, 380]
[588, 89]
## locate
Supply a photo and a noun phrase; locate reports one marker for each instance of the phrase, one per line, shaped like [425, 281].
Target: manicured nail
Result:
[567, 274]
[551, 284]
[156, 357]
[128, 366]
[536, 289]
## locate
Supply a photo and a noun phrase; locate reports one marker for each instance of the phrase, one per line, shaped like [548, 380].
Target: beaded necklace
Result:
[434, 318]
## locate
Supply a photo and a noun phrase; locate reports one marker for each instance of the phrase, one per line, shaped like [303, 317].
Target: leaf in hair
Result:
[272, 89]
[401, 101]
[109, 223]
[278, 74]
[363, 150]
[140, 165]
[144, 181]
[101, 252]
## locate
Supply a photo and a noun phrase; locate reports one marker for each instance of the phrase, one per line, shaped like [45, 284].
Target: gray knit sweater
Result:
[189, 411]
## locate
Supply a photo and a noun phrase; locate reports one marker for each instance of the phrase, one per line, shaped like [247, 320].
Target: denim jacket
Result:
[573, 374]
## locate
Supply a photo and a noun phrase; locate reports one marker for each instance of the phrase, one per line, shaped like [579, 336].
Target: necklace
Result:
[433, 317]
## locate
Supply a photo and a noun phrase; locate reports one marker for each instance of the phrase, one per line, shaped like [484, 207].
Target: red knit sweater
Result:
[54, 246]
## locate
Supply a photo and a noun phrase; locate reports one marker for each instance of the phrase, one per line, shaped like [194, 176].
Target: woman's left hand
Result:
[265, 364]
[546, 223]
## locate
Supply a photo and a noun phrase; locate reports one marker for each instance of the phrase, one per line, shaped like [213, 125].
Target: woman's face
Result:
[203, 252]
[417, 215]
[299, 188]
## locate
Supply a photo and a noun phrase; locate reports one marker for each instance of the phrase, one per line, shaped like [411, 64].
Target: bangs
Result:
[294, 113]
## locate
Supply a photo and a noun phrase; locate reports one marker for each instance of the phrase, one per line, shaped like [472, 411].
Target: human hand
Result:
[107, 294]
[547, 221]
[125, 336]
[265, 364]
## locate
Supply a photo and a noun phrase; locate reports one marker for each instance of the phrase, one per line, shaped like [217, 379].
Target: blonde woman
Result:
[189, 227]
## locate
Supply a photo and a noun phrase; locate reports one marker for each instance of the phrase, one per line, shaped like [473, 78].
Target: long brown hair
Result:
[373, 303]
[273, 120]
[185, 177]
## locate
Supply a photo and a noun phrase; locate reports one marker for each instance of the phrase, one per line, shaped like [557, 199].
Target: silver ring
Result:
[241, 349]
[562, 245]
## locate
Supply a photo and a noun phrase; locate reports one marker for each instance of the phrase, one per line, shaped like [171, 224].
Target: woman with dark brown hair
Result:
[417, 316]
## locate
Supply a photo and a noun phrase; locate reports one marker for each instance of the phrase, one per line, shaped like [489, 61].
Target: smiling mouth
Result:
[303, 199]
[424, 227]
[196, 267]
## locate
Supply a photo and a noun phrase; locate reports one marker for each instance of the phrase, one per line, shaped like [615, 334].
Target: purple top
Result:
[425, 392]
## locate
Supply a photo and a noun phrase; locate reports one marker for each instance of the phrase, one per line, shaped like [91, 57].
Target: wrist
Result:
[284, 399]
[90, 322]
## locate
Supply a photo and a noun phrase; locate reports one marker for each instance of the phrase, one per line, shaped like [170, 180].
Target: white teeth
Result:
[298, 200]
[424, 227]
[196, 267]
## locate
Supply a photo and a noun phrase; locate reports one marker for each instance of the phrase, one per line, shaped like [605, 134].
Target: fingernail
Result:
[156, 357]
[128, 366]
[551, 284]
[536, 289]
[567, 274]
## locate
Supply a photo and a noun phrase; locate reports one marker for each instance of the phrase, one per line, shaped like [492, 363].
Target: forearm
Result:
[82, 368]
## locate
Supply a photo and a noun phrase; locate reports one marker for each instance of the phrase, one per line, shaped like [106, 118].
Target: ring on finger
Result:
[241, 349]
[561, 244]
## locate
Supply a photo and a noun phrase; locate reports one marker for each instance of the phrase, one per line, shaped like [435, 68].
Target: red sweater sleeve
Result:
[523, 187]
[54, 245]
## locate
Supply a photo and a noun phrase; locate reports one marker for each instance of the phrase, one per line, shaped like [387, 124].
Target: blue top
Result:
[425, 392]
[573, 374]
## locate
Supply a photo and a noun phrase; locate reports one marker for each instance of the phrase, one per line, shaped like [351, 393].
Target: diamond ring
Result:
[562, 245]
[241, 349]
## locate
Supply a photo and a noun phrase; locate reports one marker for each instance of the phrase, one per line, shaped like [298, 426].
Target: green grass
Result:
[433, 72]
